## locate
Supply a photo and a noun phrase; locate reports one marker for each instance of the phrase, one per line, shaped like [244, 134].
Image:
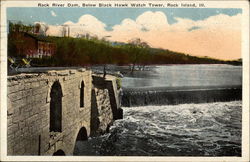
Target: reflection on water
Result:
[211, 129]
[185, 75]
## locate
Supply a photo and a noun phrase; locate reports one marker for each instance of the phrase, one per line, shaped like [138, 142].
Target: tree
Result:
[136, 49]
[104, 54]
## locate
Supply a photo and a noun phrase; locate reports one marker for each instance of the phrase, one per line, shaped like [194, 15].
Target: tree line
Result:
[86, 52]
[93, 51]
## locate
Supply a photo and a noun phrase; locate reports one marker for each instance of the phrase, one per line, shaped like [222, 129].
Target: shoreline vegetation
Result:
[89, 51]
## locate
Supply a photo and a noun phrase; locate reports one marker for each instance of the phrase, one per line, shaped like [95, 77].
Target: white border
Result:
[209, 4]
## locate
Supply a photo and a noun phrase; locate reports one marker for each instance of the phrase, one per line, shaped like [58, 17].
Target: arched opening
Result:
[82, 135]
[82, 94]
[80, 144]
[59, 153]
[56, 108]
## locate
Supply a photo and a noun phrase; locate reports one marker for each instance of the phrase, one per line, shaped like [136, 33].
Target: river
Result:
[212, 129]
[193, 129]
[184, 75]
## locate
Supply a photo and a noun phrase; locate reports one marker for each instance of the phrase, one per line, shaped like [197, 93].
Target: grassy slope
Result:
[80, 51]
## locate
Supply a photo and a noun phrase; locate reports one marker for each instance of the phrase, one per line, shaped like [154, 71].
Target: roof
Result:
[38, 37]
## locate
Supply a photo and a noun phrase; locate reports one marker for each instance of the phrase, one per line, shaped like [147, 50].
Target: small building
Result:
[31, 45]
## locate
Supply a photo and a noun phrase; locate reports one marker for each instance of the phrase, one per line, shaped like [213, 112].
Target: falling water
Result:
[170, 116]
[210, 129]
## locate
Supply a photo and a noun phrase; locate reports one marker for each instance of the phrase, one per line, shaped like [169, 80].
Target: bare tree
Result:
[136, 48]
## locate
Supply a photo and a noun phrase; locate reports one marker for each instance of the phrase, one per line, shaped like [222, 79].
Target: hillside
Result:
[91, 51]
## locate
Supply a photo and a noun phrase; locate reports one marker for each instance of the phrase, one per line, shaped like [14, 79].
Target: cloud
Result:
[53, 13]
[54, 30]
[87, 24]
[217, 36]
[51, 30]
[148, 21]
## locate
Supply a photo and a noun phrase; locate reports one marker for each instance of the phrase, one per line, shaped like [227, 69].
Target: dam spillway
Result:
[180, 95]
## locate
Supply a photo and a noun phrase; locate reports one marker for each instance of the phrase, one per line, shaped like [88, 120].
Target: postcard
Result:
[124, 80]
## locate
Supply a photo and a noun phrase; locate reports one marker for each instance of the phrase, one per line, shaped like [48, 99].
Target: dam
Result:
[175, 110]
[50, 110]
[180, 95]
[74, 112]
[180, 84]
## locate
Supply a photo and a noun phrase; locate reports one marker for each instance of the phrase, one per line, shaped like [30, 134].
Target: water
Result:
[209, 129]
[166, 96]
[184, 75]
[176, 84]
[201, 129]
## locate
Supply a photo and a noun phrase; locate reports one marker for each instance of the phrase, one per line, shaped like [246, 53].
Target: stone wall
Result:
[30, 105]
[105, 108]
[105, 116]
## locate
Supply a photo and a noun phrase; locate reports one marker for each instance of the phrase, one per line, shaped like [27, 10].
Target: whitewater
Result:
[206, 129]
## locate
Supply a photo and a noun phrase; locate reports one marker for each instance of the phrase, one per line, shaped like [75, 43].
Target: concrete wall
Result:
[29, 107]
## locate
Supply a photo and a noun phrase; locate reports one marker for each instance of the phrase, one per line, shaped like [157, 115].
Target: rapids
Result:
[209, 129]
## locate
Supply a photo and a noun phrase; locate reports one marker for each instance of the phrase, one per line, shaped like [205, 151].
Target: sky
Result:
[212, 32]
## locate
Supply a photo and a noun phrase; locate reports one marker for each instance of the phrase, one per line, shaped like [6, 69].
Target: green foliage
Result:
[119, 82]
[84, 52]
